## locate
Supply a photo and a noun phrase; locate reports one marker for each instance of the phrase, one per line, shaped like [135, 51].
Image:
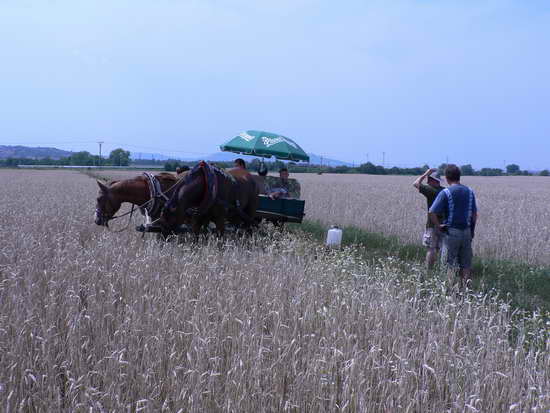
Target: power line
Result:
[47, 143]
[150, 148]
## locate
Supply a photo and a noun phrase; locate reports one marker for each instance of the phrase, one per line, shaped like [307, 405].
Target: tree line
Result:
[120, 157]
[366, 168]
[117, 157]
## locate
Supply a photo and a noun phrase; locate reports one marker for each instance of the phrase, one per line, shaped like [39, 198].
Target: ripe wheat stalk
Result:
[96, 321]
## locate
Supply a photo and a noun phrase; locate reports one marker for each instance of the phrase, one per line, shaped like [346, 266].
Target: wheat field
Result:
[514, 218]
[94, 321]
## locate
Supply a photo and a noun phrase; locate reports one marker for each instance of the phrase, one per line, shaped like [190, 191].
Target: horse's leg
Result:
[250, 211]
[196, 225]
[220, 225]
[164, 234]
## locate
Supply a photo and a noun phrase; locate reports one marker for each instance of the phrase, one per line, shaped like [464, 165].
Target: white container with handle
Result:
[334, 237]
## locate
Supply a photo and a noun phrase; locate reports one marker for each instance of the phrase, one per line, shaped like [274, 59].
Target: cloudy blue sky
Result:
[419, 80]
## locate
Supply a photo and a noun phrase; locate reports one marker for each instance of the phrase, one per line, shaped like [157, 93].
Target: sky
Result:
[404, 82]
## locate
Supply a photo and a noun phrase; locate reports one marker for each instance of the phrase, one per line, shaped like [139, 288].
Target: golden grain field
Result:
[94, 321]
[514, 218]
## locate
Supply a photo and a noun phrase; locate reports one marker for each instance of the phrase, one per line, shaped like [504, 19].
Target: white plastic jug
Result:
[334, 237]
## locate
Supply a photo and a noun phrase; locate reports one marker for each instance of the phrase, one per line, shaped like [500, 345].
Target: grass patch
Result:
[525, 286]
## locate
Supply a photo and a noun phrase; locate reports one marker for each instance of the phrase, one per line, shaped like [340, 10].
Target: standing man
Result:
[432, 236]
[458, 203]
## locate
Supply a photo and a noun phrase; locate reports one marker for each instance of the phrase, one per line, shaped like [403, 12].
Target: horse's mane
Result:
[167, 176]
[162, 176]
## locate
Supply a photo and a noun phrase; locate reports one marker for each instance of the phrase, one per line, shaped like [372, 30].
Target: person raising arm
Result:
[431, 239]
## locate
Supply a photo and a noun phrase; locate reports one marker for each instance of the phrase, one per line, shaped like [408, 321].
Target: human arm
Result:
[473, 220]
[421, 178]
[473, 224]
[275, 193]
[439, 207]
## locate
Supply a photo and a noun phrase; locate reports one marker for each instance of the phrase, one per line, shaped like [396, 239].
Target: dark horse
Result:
[208, 194]
[141, 191]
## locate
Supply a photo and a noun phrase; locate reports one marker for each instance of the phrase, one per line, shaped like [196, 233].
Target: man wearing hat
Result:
[432, 238]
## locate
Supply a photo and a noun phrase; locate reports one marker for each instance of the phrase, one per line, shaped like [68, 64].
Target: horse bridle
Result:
[106, 217]
[154, 193]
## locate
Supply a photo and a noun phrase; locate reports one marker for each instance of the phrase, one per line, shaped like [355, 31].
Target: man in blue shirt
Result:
[458, 204]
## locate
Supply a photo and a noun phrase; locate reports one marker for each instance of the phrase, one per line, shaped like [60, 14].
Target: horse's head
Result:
[107, 205]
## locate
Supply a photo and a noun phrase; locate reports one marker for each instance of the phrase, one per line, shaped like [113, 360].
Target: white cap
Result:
[435, 177]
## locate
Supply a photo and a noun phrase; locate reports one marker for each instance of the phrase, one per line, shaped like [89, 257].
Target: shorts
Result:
[457, 248]
[432, 238]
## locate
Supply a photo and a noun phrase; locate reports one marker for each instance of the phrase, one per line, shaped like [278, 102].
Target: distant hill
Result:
[147, 155]
[32, 152]
[54, 153]
[317, 160]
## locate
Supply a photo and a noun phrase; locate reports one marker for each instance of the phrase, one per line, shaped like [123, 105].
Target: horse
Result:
[145, 191]
[209, 194]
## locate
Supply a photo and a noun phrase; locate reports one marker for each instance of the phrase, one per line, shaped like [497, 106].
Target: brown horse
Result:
[136, 191]
[208, 194]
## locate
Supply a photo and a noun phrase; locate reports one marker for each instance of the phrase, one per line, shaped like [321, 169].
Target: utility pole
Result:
[384, 159]
[367, 157]
[100, 143]
[447, 160]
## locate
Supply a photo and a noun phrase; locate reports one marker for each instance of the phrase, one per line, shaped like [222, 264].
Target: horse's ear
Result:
[104, 188]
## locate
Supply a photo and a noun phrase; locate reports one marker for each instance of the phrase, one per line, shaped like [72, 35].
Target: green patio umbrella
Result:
[265, 144]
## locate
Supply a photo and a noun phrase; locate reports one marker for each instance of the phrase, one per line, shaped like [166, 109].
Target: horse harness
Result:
[151, 208]
[157, 197]
[211, 192]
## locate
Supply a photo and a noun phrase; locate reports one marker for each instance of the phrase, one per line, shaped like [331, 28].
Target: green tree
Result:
[171, 165]
[490, 172]
[119, 157]
[342, 169]
[367, 168]
[467, 170]
[512, 169]
[83, 158]
[544, 172]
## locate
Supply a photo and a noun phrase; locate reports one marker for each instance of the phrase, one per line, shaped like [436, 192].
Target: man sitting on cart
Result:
[283, 187]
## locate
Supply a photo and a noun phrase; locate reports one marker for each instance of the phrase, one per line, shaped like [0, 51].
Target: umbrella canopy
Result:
[259, 143]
